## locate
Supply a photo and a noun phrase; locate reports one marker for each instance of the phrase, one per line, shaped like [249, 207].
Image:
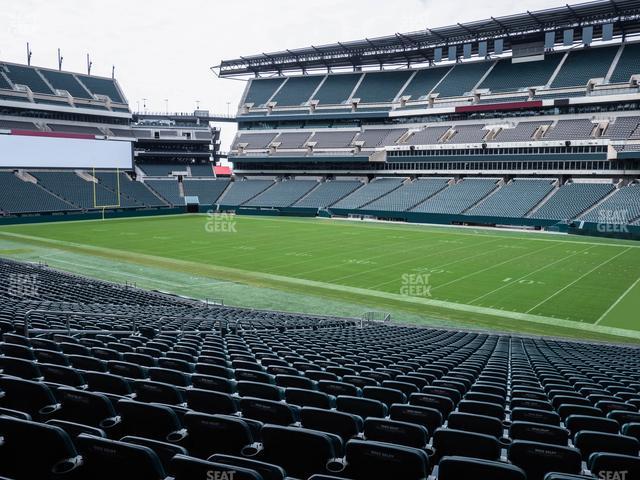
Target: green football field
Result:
[525, 282]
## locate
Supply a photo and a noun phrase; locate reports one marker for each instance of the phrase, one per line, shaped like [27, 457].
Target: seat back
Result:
[301, 452]
[455, 468]
[369, 459]
[108, 459]
[31, 450]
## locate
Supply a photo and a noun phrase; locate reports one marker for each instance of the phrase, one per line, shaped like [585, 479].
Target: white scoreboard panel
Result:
[25, 151]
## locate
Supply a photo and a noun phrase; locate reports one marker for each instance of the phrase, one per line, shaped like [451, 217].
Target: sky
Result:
[164, 50]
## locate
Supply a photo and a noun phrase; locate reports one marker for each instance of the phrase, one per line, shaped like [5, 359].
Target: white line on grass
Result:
[577, 280]
[617, 301]
[529, 274]
[395, 252]
[463, 259]
[375, 293]
[491, 267]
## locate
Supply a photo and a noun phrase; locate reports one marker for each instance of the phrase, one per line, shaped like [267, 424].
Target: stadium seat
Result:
[32, 450]
[475, 423]
[393, 431]
[577, 423]
[454, 468]
[589, 442]
[429, 418]
[450, 442]
[299, 451]
[600, 463]
[539, 432]
[19, 367]
[184, 467]
[87, 408]
[74, 429]
[268, 411]
[368, 459]
[165, 451]
[364, 407]
[106, 459]
[308, 398]
[538, 459]
[149, 391]
[344, 425]
[27, 396]
[210, 434]
[156, 422]
[267, 471]
[211, 402]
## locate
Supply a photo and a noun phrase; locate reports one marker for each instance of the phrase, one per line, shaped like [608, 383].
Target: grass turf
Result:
[537, 283]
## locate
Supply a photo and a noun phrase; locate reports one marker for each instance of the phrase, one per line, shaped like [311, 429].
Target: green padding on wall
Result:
[95, 215]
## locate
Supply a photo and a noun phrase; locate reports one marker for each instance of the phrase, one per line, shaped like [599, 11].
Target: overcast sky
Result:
[163, 50]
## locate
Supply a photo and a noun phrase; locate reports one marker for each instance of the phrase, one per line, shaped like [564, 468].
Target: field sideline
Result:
[529, 282]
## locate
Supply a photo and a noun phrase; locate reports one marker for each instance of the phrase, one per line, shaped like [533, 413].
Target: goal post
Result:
[96, 204]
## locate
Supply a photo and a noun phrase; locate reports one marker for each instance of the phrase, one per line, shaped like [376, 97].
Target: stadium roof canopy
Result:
[402, 49]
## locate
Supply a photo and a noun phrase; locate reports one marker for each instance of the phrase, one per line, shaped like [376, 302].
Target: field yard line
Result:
[447, 230]
[531, 273]
[487, 252]
[577, 280]
[491, 267]
[382, 267]
[617, 301]
[431, 228]
[371, 293]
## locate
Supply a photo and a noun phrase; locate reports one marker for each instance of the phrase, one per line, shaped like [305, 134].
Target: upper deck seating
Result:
[627, 64]
[462, 79]
[428, 135]
[423, 82]
[336, 89]
[379, 137]
[254, 140]
[522, 132]
[509, 76]
[379, 87]
[583, 65]
[261, 90]
[574, 129]
[331, 139]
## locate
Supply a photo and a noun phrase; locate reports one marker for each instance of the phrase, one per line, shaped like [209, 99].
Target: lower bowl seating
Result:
[297, 396]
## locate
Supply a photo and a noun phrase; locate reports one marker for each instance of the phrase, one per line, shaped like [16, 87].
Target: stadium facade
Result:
[529, 120]
[71, 145]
